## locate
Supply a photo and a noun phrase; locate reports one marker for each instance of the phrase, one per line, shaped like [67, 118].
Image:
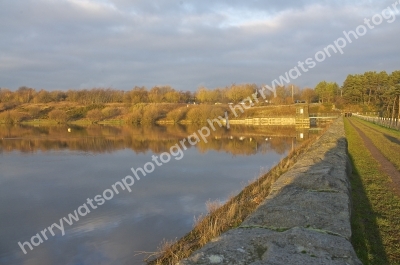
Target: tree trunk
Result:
[369, 96]
[398, 112]
[387, 110]
[393, 110]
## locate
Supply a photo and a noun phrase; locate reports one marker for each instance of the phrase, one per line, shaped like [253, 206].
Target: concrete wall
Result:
[266, 121]
[283, 121]
[304, 220]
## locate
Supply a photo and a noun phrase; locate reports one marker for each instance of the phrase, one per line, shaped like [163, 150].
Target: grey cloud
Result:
[62, 44]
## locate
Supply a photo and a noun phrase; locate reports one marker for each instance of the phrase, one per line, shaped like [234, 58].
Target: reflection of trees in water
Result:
[239, 140]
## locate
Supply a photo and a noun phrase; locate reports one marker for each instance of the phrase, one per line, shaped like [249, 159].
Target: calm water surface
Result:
[47, 173]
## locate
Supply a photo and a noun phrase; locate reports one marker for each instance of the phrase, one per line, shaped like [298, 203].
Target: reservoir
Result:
[48, 172]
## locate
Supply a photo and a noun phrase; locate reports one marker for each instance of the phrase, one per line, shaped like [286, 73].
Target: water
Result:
[47, 173]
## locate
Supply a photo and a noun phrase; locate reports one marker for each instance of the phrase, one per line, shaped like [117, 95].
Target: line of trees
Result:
[327, 92]
[95, 96]
[378, 91]
[158, 94]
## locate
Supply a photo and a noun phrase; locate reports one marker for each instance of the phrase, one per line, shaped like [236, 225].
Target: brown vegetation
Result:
[34, 112]
[135, 117]
[110, 112]
[58, 116]
[200, 114]
[12, 117]
[177, 115]
[94, 115]
[143, 113]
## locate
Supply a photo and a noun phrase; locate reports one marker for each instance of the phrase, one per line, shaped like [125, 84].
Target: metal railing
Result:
[385, 122]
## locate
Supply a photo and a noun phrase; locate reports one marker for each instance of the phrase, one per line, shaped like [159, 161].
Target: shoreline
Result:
[230, 215]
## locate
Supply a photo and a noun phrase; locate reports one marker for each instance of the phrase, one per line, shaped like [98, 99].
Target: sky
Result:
[119, 44]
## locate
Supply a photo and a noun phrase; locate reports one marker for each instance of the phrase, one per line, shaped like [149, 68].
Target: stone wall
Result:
[304, 220]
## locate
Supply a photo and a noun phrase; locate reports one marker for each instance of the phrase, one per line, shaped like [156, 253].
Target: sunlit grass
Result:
[376, 209]
[381, 136]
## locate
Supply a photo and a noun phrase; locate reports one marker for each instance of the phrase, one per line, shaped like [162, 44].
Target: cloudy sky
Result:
[63, 44]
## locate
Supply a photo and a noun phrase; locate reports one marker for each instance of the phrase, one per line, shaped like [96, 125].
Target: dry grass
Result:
[267, 111]
[200, 113]
[230, 215]
[12, 117]
[177, 115]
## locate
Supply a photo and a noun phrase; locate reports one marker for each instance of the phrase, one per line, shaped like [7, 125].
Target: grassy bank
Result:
[385, 139]
[376, 209]
[140, 113]
[230, 215]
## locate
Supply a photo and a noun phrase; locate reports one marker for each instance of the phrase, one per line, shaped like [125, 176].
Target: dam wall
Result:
[283, 121]
[304, 220]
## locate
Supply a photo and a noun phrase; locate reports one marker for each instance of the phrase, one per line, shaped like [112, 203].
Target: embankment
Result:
[304, 220]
